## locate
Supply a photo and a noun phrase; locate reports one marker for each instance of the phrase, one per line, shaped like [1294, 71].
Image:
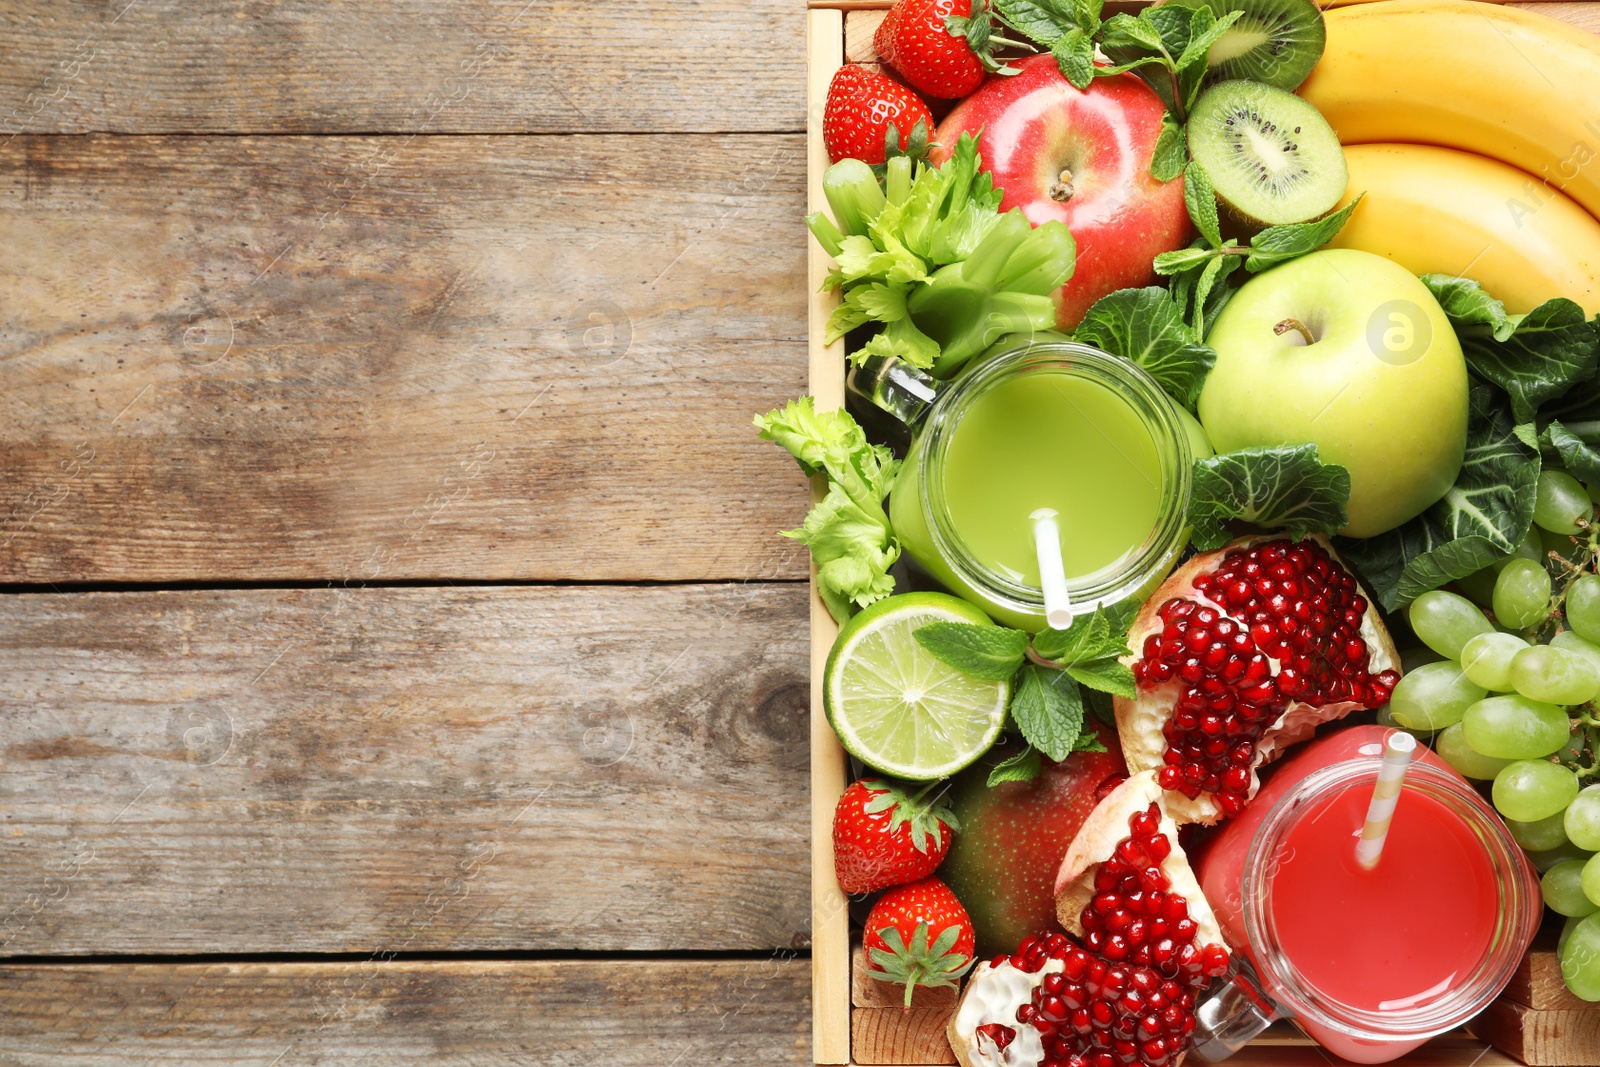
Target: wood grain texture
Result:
[868, 992]
[898, 1036]
[830, 919]
[334, 66]
[390, 358]
[404, 770]
[621, 1013]
[1537, 981]
[1555, 1038]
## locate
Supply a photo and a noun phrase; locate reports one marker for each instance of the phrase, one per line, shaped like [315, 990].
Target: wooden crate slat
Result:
[410, 770]
[336, 66]
[1558, 1037]
[830, 919]
[899, 1036]
[357, 359]
[376, 1013]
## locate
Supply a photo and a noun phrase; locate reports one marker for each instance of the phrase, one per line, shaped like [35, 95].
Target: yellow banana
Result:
[1440, 211]
[1502, 82]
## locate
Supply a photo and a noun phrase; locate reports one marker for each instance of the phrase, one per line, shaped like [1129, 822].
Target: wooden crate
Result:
[853, 1023]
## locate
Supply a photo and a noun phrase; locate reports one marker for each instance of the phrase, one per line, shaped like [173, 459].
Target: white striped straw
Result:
[1052, 573]
[1397, 750]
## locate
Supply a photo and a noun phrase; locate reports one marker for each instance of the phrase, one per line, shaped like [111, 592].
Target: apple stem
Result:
[1062, 190]
[1294, 324]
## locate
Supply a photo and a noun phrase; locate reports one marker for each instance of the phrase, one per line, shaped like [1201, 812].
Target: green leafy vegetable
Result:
[1048, 709]
[1023, 767]
[934, 262]
[990, 652]
[847, 531]
[1483, 517]
[1468, 304]
[1147, 327]
[1285, 488]
[1577, 455]
[1549, 350]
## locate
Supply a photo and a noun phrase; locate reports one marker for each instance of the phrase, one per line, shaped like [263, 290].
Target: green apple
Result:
[1348, 351]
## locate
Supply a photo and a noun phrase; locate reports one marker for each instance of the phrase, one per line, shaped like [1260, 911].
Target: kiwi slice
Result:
[1272, 157]
[1274, 41]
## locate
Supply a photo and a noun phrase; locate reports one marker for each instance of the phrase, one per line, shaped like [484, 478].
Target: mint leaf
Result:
[1201, 200]
[1122, 31]
[1550, 349]
[1090, 649]
[1048, 709]
[1483, 517]
[1074, 52]
[990, 652]
[1088, 742]
[1171, 152]
[1285, 488]
[1205, 30]
[1468, 304]
[1182, 259]
[1217, 270]
[1147, 327]
[1023, 767]
[1279, 244]
[1044, 21]
[1173, 25]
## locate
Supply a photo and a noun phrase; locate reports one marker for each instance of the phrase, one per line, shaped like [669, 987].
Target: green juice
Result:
[1051, 440]
[1046, 438]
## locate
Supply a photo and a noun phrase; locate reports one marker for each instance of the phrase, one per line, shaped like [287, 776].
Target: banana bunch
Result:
[1516, 95]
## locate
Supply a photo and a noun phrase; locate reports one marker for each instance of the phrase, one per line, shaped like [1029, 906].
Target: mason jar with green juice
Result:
[1043, 425]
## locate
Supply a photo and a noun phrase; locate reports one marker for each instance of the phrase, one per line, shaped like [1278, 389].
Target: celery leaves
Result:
[847, 531]
[934, 262]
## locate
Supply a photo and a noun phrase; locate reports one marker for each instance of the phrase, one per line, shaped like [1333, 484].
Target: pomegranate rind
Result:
[993, 995]
[1141, 719]
[1106, 826]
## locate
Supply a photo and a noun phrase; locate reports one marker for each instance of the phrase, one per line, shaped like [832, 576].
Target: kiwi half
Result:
[1274, 41]
[1272, 157]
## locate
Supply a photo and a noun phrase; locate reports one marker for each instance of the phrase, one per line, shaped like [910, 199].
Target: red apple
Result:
[1002, 864]
[1081, 157]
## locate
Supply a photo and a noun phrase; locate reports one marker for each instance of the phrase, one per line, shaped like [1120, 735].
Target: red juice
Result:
[1413, 931]
[1350, 932]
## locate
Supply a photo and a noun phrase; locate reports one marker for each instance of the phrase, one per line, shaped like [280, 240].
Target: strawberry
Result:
[882, 836]
[862, 107]
[941, 47]
[918, 934]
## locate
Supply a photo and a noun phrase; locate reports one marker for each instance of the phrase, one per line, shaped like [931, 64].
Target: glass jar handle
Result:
[890, 383]
[1229, 1018]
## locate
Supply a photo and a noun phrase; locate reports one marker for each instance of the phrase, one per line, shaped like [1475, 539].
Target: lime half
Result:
[898, 708]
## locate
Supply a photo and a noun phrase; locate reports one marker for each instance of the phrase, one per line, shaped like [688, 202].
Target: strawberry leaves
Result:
[920, 962]
[920, 815]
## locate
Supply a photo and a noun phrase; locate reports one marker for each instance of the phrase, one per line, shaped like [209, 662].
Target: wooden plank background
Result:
[398, 660]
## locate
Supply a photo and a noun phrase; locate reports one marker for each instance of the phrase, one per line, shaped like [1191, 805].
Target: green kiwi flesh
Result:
[1272, 158]
[1274, 41]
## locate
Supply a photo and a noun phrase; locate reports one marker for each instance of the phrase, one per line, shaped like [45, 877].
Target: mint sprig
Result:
[992, 653]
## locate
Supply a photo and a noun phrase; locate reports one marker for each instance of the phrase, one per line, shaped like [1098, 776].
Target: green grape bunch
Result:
[1515, 702]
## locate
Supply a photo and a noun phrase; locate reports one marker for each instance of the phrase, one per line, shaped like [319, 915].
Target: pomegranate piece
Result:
[1119, 990]
[1241, 653]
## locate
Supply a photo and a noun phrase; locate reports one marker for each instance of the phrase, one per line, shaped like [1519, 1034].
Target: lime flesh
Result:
[897, 707]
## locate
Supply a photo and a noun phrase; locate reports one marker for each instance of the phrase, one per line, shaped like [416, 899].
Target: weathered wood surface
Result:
[397, 358]
[407, 770]
[619, 1013]
[482, 66]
